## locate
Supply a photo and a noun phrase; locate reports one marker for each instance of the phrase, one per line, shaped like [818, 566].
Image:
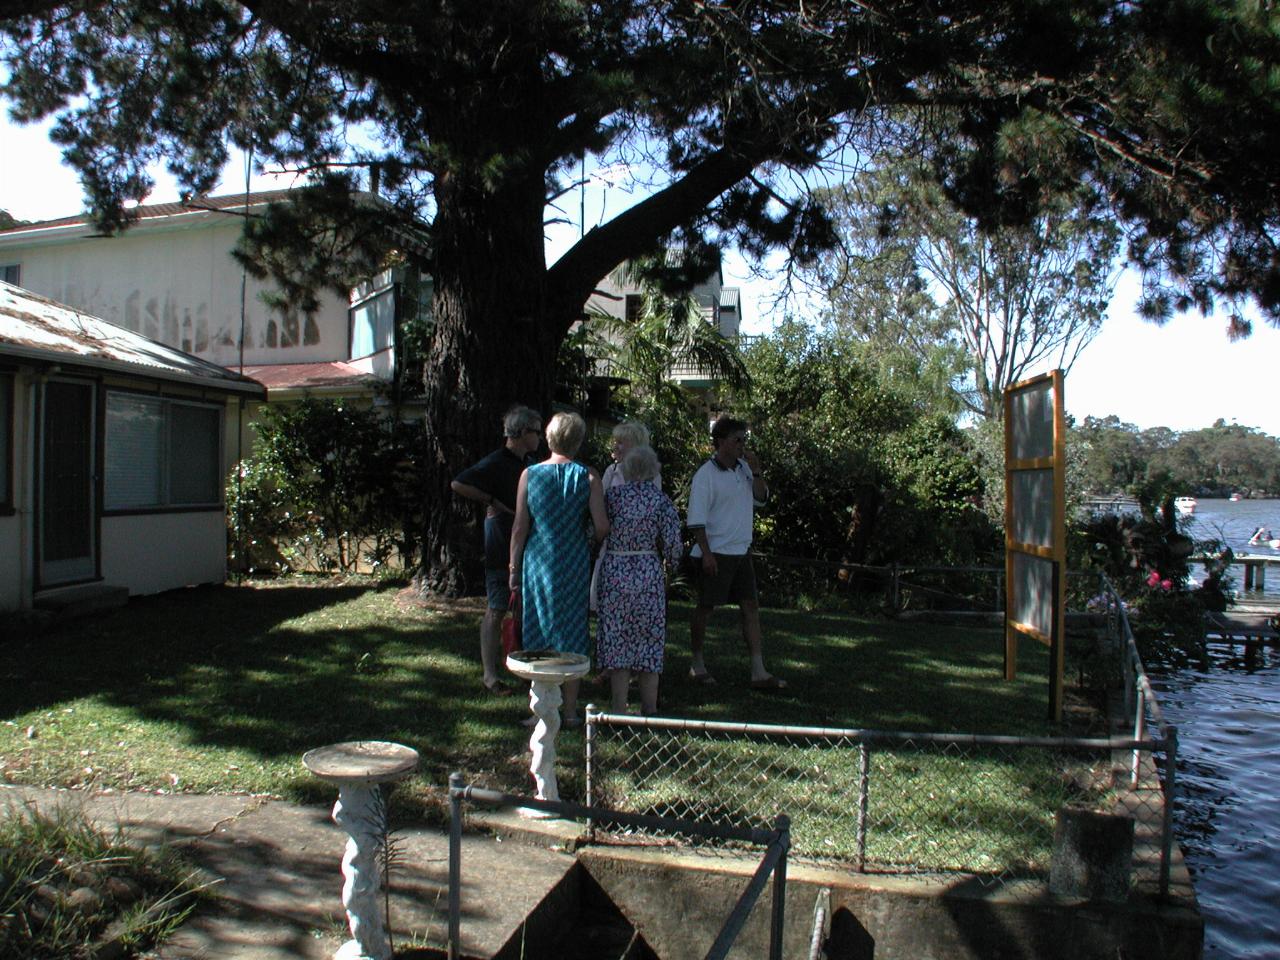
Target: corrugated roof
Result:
[415, 238]
[333, 374]
[729, 297]
[158, 210]
[34, 327]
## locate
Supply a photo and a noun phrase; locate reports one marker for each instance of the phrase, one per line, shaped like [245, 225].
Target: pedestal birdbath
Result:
[546, 671]
[357, 769]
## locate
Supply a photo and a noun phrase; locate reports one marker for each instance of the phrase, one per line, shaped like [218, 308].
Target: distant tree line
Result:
[1219, 460]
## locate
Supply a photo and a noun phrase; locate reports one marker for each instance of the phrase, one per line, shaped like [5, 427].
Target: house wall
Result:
[147, 553]
[152, 552]
[177, 283]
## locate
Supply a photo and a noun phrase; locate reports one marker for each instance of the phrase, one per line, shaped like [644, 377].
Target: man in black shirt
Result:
[493, 482]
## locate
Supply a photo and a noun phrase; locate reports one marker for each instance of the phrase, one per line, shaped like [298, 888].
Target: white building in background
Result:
[171, 277]
[720, 306]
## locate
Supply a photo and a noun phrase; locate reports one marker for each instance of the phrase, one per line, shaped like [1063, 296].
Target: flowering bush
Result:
[1149, 562]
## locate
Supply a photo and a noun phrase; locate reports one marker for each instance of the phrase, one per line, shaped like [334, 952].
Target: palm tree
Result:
[669, 331]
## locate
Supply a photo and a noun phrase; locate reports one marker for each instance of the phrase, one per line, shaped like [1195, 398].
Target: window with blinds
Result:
[161, 453]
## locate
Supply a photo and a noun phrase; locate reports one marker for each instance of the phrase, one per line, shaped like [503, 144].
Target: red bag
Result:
[511, 626]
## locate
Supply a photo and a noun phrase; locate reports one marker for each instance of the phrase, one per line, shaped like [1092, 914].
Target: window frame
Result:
[164, 464]
[391, 292]
[16, 266]
[8, 411]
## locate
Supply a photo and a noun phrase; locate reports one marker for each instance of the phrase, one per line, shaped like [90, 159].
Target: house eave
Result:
[281, 394]
[70, 361]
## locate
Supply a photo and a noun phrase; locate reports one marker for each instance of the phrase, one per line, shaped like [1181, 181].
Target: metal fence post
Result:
[864, 776]
[893, 590]
[455, 864]
[777, 920]
[1170, 793]
[1139, 733]
[592, 720]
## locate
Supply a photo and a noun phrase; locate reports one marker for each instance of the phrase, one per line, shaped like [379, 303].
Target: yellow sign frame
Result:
[1020, 595]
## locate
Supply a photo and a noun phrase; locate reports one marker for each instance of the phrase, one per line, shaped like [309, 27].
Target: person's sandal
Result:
[769, 683]
[498, 689]
[704, 679]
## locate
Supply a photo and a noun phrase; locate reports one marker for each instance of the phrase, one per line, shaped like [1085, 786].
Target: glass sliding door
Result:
[67, 539]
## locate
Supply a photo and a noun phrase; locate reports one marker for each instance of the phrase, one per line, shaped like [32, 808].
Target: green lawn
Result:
[224, 688]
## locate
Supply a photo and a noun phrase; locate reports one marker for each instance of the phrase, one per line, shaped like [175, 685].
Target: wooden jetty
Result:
[1249, 626]
[1255, 568]
[1253, 617]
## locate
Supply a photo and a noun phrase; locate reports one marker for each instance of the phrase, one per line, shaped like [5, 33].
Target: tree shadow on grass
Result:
[264, 675]
[226, 687]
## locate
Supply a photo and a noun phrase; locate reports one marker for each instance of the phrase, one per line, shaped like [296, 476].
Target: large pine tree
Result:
[477, 113]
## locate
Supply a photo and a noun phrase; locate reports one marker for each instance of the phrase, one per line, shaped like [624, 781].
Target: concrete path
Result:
[279, 867]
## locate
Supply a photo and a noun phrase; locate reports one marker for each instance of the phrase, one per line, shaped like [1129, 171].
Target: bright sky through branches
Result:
[1183, 376]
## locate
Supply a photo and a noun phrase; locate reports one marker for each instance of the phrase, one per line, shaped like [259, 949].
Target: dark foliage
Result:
[1214, 461]
[329, 486]
[1149, 562]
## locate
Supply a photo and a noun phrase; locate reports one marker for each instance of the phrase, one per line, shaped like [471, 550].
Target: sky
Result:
[1184, 375]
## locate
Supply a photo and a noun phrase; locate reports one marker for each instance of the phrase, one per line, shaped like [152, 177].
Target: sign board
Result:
[1035, 524]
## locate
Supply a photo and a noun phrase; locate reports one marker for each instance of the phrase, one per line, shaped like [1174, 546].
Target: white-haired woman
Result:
[626, 436]
[550, 555]
[644, 531]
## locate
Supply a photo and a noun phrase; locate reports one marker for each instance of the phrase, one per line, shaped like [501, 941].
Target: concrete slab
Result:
[678, 902]
[69, 603]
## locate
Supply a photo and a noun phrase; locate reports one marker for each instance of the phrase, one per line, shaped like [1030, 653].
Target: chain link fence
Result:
[899, 588]
[898, 802]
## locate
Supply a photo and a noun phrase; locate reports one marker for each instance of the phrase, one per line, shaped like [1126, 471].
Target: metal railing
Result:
[776, 840]
[1142, 707]
[900, 802]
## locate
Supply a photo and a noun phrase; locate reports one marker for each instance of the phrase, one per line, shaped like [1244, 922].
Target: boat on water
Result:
[1235, 498]
[1185, 505]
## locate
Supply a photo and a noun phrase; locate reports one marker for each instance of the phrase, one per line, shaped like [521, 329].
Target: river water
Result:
[1227, 710]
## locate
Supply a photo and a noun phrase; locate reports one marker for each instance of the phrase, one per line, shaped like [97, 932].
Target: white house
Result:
[171, 278]
[113, 450]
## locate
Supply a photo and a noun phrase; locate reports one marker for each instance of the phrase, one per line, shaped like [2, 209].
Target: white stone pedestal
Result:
[546, 672]
[357, 769]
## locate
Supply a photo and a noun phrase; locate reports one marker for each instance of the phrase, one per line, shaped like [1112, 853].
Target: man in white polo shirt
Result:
[722, 501]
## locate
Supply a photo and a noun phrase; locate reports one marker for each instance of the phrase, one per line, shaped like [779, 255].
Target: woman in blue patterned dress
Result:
[644, 530]
[550, 555]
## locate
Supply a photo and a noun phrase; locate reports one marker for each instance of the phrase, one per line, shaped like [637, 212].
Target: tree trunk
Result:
[494, 344]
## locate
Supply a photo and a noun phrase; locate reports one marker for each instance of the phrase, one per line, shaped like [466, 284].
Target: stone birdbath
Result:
[358, 769]
[546, 671]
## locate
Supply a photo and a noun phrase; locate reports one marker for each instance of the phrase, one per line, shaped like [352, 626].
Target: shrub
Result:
[329, 487]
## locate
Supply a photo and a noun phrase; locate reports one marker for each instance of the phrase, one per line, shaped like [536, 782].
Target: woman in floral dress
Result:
[627, 435]
[644, 530]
